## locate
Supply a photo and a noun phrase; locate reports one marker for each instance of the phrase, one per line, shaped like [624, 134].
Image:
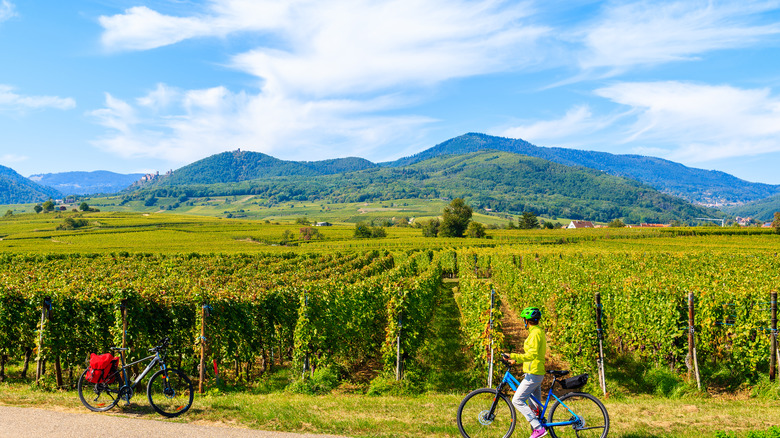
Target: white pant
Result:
[531, 384]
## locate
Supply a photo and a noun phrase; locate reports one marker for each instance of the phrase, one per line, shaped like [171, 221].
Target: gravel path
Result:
[32, 422]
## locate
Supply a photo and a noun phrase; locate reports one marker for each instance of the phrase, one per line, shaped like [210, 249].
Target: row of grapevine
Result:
[480, 308]
[252, 300]
[644, 298]
[319, 310]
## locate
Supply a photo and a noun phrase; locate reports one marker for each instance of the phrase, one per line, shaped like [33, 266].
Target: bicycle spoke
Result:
[587, 417]
[170, 396]
[475, 419]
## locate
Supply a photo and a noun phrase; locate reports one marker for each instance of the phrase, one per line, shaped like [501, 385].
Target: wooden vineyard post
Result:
[694, 367]
[203, 314]
[773, 343]
[398, 362]
[44, 314]
[490, 337]
[57, 365]
[600, 332]
[123, 310]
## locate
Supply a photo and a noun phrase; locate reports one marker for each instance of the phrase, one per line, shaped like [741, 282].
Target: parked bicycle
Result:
[489, 412]
[169, 390]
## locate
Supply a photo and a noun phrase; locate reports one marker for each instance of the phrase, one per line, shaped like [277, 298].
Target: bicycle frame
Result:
[513, 383]
[155, 359]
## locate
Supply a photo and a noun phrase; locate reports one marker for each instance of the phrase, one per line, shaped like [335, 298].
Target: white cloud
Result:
[9, 99]
[699, 122]
[578, 122]
[13, 158]
[328, 73]
[654, 32]
[6, 10]
[203, 122]
[348, 46]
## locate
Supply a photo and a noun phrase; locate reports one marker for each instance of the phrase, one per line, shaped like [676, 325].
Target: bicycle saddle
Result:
[558, 373]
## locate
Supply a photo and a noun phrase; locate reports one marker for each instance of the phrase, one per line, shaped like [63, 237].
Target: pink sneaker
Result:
[537, 433]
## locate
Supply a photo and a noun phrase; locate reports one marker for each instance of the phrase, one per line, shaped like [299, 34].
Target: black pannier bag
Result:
[575, 382]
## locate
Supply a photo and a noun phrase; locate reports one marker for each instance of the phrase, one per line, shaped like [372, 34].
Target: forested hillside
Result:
[496, 180]
[237, 166]
[695, 185]
[16, 189]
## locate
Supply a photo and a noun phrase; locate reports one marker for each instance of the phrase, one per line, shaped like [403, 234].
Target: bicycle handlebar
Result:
[163, 345]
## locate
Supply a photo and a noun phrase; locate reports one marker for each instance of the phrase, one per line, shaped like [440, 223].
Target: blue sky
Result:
[132, 86]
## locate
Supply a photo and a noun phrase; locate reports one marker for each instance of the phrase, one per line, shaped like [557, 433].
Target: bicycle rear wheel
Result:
[473, 415]
[98, 397]
[171, 396]
[591, 420]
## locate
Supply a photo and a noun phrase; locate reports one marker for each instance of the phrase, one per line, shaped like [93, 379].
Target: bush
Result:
[322, 381]
[387, 385]
[475, 230]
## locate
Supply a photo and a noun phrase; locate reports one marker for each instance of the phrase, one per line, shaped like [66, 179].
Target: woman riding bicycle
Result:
[534, 349]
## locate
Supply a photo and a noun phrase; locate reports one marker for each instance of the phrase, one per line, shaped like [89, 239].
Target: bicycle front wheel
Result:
[475, 419]
[588, 416]
[98, 397]
[170, 392]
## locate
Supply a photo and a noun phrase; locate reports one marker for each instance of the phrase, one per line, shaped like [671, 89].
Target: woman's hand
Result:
[508, 359]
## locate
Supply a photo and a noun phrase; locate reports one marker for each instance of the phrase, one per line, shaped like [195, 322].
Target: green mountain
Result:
[16, 189]
[763, 210]
[488, 179]
[86, 183]
[237, 166]
[696, 185]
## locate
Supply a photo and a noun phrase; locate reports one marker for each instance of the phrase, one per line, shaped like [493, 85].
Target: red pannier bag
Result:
[102, 368]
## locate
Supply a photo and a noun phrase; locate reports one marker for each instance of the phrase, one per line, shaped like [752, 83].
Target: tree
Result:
[616, 223]
[431, 228]
[475, 230]
[48, 205]
[309, 233]
[84, 206]
[364, 231]
[455, 219]
[303, 220]
[776, 222]
[9, 213]
[38, 208]
[528, 221]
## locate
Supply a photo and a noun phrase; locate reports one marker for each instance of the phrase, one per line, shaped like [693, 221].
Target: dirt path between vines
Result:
[34, 423]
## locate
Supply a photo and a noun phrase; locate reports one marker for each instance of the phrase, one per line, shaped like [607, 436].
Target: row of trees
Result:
[456, 222]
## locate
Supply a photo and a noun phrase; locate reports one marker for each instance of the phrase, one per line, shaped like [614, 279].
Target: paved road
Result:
[37, 423]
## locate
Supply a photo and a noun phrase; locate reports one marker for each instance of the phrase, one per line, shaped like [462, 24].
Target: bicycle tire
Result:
[173, 398]
[106, 394]
[594, 417]
[471, 415]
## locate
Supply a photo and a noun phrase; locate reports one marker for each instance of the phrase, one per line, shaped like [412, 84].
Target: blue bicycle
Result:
[489, 412]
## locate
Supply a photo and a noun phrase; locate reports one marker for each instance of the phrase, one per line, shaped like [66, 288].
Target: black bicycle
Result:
[169, 390]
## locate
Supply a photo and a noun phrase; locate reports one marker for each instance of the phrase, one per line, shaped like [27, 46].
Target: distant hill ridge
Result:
[87, 183]
[501, 181]
[706, 187]
[237, 166]
[16, 189]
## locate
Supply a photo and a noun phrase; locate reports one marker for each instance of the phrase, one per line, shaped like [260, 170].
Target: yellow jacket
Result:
[534, 349]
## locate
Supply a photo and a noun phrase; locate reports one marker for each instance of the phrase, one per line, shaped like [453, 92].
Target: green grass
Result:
[426, 415]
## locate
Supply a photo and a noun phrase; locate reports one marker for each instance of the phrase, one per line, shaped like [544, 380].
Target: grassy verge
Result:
[430, 415]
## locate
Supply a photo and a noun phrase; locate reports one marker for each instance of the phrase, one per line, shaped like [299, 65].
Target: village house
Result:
[580, 224]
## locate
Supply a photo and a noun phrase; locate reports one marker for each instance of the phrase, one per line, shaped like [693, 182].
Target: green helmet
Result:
[531, 313]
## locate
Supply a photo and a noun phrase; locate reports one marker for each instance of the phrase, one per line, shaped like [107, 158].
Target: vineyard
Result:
[371, 309]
